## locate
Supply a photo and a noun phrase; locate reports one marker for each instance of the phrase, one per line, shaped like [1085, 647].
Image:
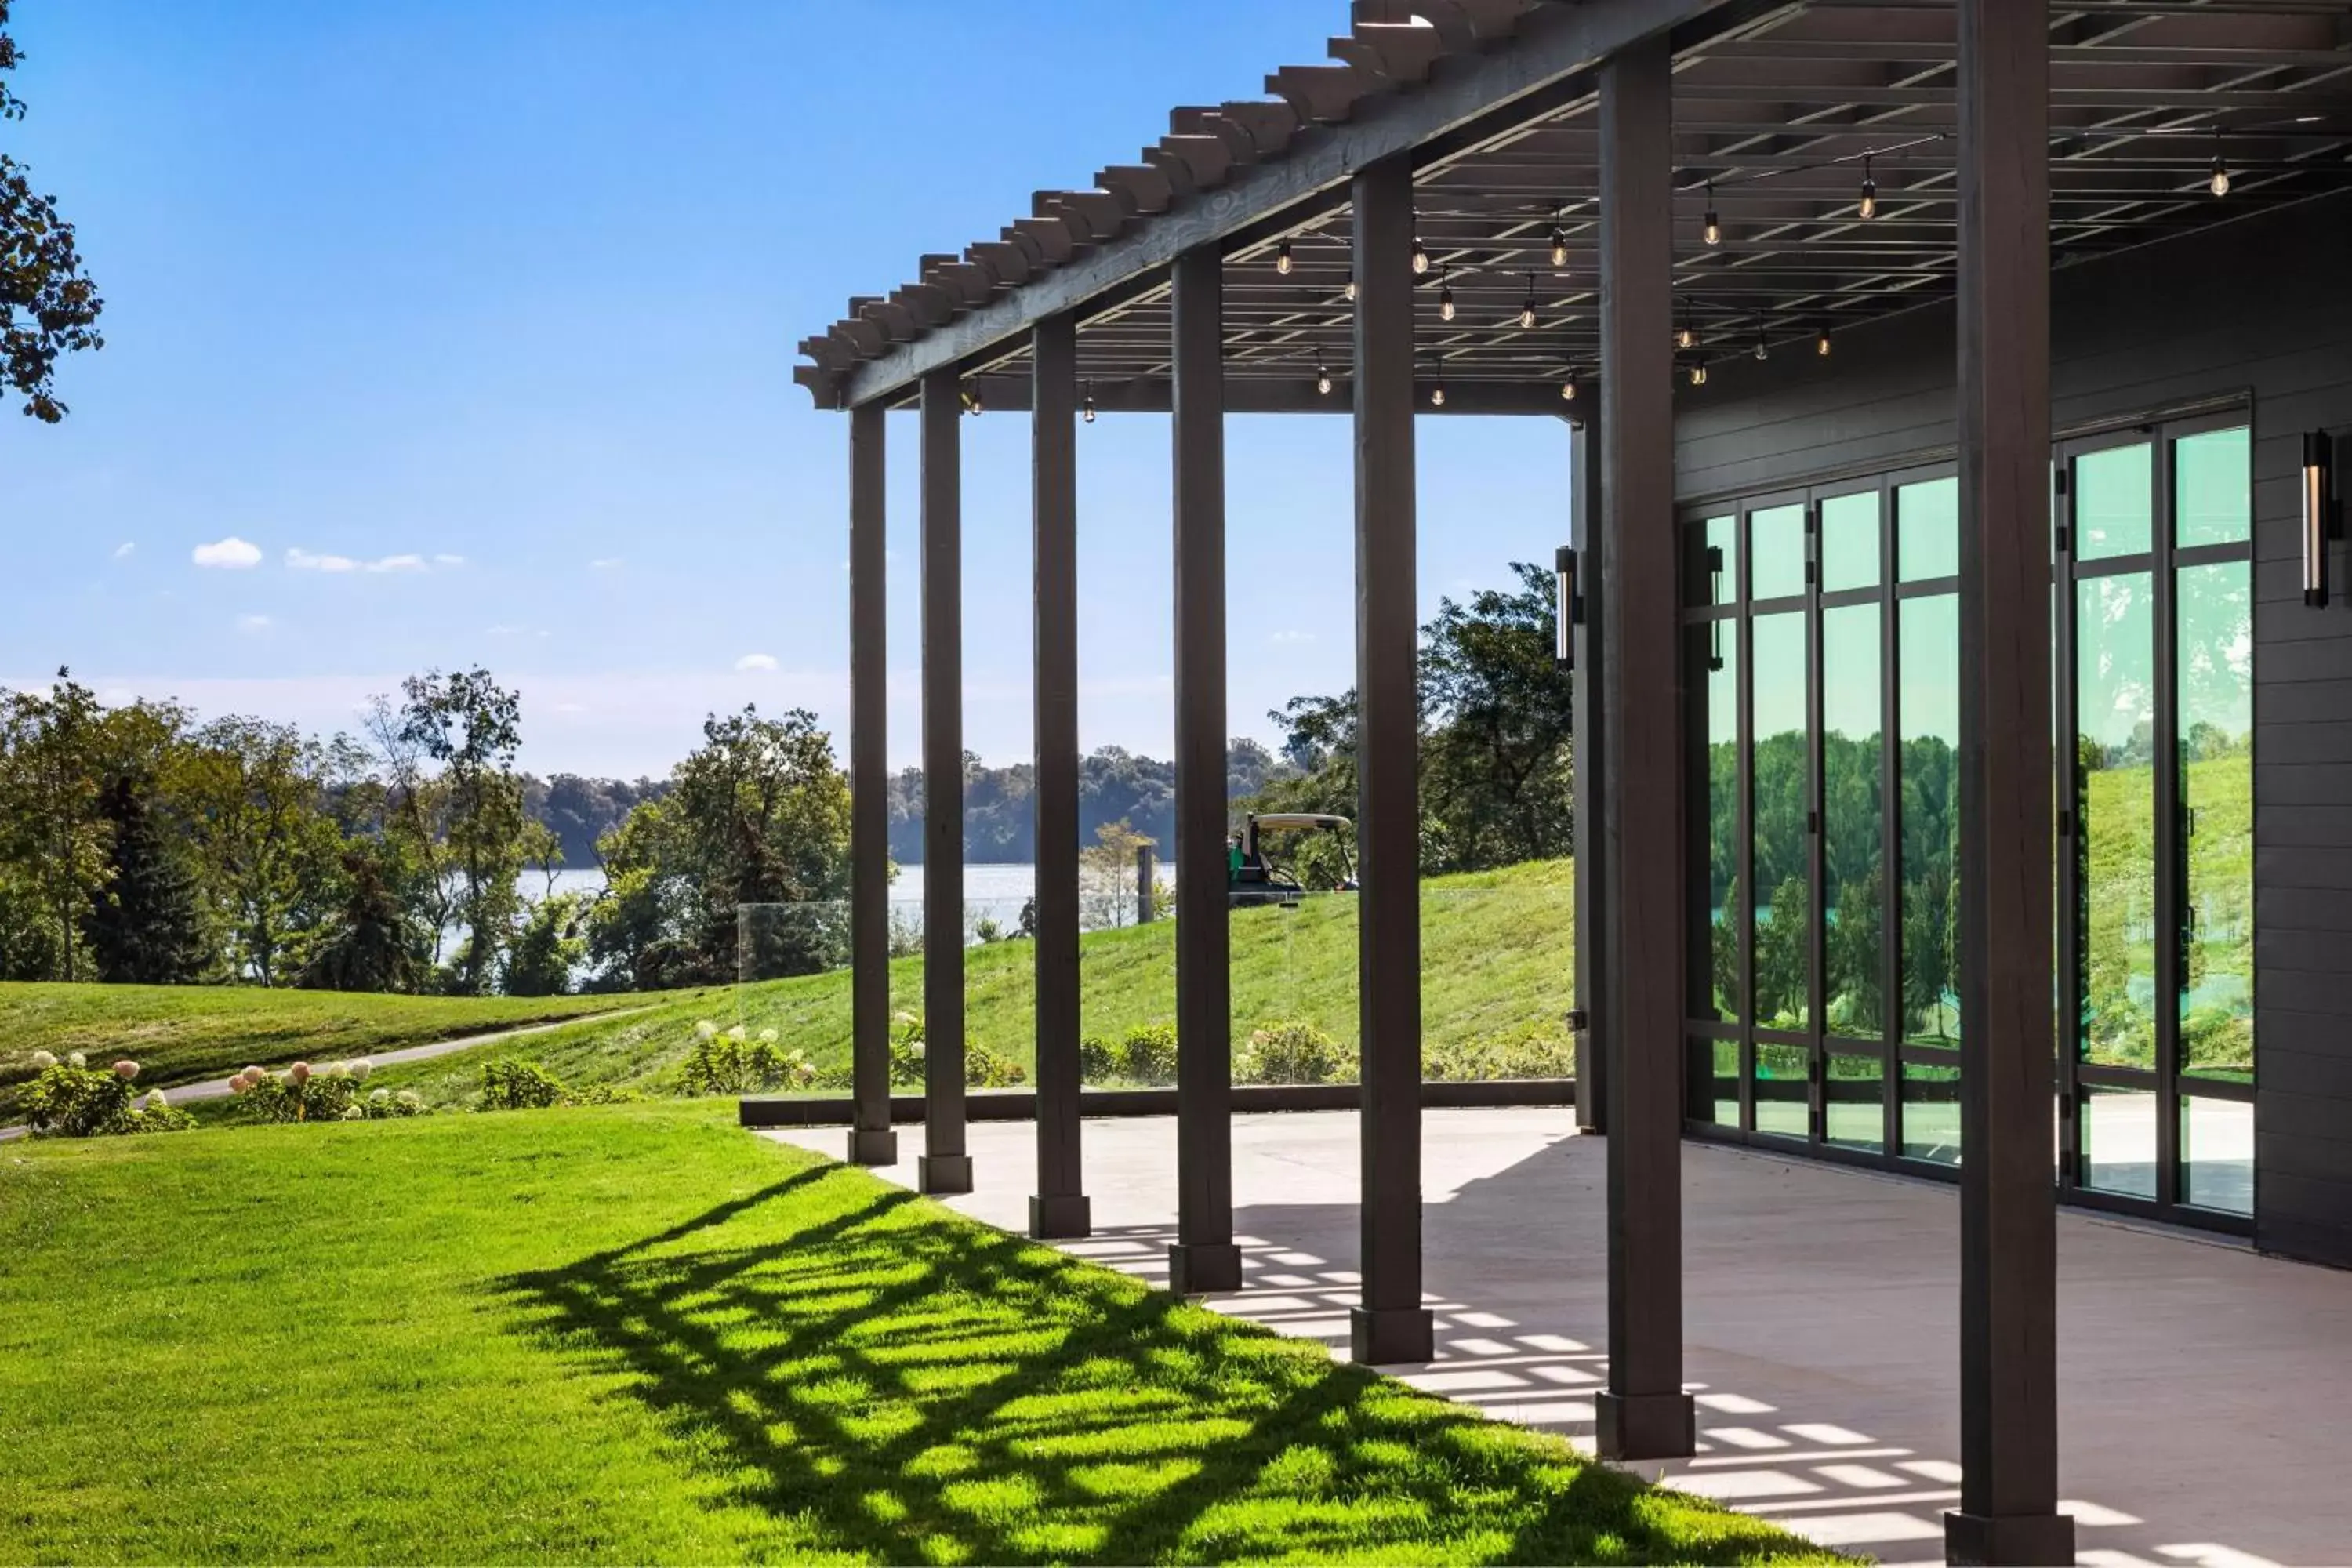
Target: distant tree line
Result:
[1117, 789]
[140, 843]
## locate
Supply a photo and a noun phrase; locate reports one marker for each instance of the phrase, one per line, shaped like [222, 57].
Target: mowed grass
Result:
[1497, 955]
[633, 1334]
[179, 1034]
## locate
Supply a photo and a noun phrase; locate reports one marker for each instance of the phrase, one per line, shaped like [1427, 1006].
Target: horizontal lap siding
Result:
[2256, 309]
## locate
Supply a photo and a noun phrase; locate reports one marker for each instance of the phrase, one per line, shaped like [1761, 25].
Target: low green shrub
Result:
[734, 1063]
[330, 1093]
[519, 1086]
[1290, 1052]
[1098, 1060]
[1148, 1054]
[70, 1099]
[1527, 1050]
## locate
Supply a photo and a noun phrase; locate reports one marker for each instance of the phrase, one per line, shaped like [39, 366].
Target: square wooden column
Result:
[1391, 1325]
[944, 1167]
[1202, 1256]
[871, 1141]
[2009, 1221]
[1058, 1208]
[1644, 1413]
[1590, 754]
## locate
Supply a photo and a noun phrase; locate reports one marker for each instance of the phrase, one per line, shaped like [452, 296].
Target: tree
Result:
[1496, 774]
[255, 795]
[549, 947]
[372, 942]
[54, 838]
[149, 928]
[47, 305]
[472, 726]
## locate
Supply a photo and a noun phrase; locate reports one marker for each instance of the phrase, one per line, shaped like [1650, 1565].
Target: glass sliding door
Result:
[1824, 685]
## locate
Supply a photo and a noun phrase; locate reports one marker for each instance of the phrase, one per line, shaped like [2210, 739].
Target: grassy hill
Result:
[633, 1334]
[1498, 958]
[179, 1034]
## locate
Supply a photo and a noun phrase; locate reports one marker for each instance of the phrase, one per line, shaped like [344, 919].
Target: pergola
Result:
[1583, 209]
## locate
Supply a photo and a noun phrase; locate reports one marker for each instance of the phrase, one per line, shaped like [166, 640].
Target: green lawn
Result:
[1498, 957]
[179, 1034]
[633, 1334]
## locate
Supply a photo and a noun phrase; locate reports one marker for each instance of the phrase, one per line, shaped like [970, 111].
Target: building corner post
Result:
[944, 1167]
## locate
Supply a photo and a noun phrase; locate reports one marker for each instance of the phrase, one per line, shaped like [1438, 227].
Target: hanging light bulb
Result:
[1821, 342]
[1087, 410]
[1446, 301]
[1558, 248]
[1528, 311]
[1686, 335]
[1762, 351]
[1437, 395]
[1713, 231]
[2220, 183]
[1283, 263]
[1347, 291]
[972, 400]
[1568, 388]
[1869, 207]
[1420, 259]
[1698, 373]
[1322, 382]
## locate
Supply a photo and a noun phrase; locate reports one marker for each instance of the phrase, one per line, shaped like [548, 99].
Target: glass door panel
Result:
[1783, 1074]
[2116, 838]
[1849, 541]
[1931, 1111]
[1928, 644]
[1775, 551]
[2119, 1141]
[2213, 487]
[1780, 902]
[2213, 611]
[2114, 503]
[1853, 882]
[1928, 529]
[1725, 915]
[1854, 1102]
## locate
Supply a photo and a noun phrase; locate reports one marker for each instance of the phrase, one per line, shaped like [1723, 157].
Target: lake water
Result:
[992, 889]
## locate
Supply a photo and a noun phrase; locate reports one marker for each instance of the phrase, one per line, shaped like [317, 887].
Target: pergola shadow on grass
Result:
[920, 1387]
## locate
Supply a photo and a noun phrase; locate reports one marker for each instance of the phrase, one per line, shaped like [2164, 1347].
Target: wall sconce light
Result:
[2319, 514]
[1564, 607]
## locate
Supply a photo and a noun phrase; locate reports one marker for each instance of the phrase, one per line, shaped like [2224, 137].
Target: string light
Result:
[1437, 395]
[1322, 382]
[1869, 209]
[1348, 292]
[1761, 350]
[1713, 232]
[1528, 311]
[1444, 301]
[1686, 335]
[1282, 259]
[1568, 388]
[1821, 342]
[2220, 183]
[1420, 259]
[1558, 247]
[1087, 412]
[1698, 374]
[972, 400]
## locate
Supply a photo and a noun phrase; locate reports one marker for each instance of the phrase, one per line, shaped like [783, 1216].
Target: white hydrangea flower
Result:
[43, 1060]
[378, 1097]
[155, 1101]
[353, 1113]
[76, 1059]
[736, 1034]
[360, 1069]
[706, 1029]
[767, 1037]
[409, 1097]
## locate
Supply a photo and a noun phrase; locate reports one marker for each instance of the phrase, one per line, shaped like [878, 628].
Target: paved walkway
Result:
[2206, 1391]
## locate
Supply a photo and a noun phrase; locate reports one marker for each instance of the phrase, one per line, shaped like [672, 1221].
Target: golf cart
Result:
[1252, 875]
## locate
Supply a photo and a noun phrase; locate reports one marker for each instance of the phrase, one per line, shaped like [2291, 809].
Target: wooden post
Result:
[871, 1141]
[1391, 1325]
[2008, 1242]
[1202, 1256]
[1644, 1413]
[944, 1167]
[1147, 884]
[1058, 1209]
[1591, 755]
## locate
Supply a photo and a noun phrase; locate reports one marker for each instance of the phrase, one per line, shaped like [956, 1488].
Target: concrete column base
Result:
[1390, 1336]
[1063, 1217]
[1200, 1268]
[873, 1146]
[943, 1175]
[2010, 1538]
[1646, 1426]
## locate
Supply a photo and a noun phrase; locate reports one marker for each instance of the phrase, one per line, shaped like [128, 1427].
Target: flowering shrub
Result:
[730, 1063]
[526, 1086]
[330, 1093]
[71, 1099]
[982, 1066]
[1289, 1053]
[1530, 1050]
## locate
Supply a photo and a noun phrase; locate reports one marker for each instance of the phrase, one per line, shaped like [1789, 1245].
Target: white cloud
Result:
[232, 553]
[122, 552]
[750, 662]
[1291, 637]
[250, 624]
[448, 561]
[502, 631]
[300, 560]
[604, 563]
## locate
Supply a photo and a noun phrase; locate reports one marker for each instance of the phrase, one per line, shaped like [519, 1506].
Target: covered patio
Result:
[1592, 212]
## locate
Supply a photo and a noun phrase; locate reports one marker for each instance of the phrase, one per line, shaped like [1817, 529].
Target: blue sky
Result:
[474, 318]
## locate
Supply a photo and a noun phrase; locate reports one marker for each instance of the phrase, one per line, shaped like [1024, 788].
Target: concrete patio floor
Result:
[2206, 1391]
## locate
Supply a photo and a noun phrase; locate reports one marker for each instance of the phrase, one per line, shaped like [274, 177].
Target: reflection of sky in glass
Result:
[1849, 541]
[1928, 529]
[1776, 543]
[1930, 630]
[2115, 660]
[1850, 671]
[2114, 503]
[2214, 498]
[1780, 692]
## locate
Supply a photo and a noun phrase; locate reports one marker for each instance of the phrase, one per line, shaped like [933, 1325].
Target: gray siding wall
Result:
[2259, 309]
